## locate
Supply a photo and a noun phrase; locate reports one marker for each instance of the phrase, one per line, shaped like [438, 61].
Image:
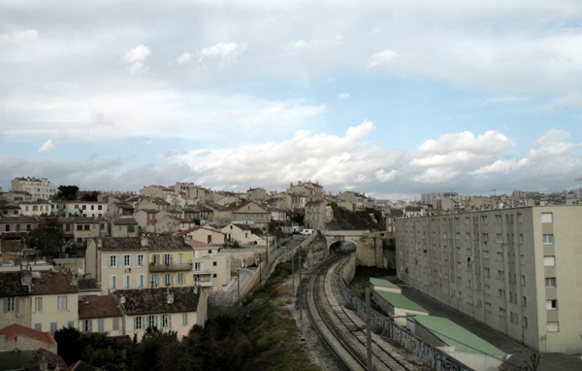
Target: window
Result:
[38, 304]
[524, 301]
[137, 323]
[140, 280]
[86, 227]
[167, 279]
[113, 282]
[115, 324]
[525, 322]
[184, 319]
[214, 264]
[180, 258]
[79, 227]
[62, 302]
[549, 261]
[154, 280]
[550, 282]
[126, 260]
[38, 326]
[553, 327]
[547, 217]
[152, 321]
[101, 325]
[209, 238]
[167, 259]
[548, 239]
[140, 260]
[197, 267]
[53, 328]
[551, 304]
[113, 261]
[127, 281]
[180, 279]
[11, 304]
[165, 321]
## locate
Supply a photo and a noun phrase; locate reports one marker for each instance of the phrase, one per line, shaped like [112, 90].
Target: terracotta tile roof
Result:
[167, 243]
[94, 306]
[87, 284]
[11, 284]
[81, 366]
[198, 244]
[155, 301]
[53, 283]
[52, 360]
[122, 244]
[15, 330]
[125, 221]
[244, 227]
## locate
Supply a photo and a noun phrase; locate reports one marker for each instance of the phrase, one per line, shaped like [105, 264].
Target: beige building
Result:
[133, 262]
[211, 267]
[100, 313]
[316, 215]
[515, 270]
[37, 187]
[167, 309]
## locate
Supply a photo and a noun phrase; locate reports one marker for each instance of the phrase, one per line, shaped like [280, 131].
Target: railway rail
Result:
[344, 337]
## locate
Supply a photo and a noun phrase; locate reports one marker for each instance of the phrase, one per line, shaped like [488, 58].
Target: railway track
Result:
[336, 327]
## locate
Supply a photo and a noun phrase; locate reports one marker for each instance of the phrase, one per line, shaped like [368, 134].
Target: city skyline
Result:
[389, 99]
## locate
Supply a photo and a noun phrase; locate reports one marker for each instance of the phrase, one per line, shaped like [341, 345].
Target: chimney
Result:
[169, 296]
[144, 241]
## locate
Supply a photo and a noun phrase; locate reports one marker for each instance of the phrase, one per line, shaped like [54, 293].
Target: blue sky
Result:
[389, 98]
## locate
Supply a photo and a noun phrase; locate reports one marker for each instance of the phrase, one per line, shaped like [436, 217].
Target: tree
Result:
[68, 345]
[47, 238]
[90, 196]
[67, 192]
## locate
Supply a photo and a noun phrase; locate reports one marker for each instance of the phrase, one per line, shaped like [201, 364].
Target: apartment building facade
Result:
[515, 270]
[37, 187]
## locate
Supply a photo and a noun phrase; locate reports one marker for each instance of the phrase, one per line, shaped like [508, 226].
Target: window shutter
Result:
[16, 305]
[6, 305]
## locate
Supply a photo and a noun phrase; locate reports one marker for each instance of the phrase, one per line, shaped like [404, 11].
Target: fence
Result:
[432, 356]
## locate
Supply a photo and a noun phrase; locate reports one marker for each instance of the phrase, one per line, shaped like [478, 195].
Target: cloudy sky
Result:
[389, 98]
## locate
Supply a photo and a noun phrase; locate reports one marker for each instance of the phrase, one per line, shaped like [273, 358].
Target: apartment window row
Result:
[114, 262]
[158, 321]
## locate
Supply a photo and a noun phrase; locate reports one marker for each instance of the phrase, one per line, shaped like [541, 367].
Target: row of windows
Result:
[18, 227]
[162, 321]
[154, 280]
[12, 303]
[140, 260]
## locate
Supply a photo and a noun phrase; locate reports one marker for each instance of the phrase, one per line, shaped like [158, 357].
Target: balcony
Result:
[203, 283]
[171, 267]
[202, 272]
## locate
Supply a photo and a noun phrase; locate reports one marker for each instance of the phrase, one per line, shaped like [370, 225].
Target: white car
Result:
[306, 232]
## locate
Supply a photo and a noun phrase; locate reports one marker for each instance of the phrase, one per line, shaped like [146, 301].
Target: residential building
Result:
[17, 227]
[252, 213]
[360, 201]
[54, 300]
[124, 226]
[211, 267]
[45, 301]
[35, 208]
[313, 191]
[513, 269]
[167, 309]
[242, 233]
[204, 234]
[134, 262]
[17, 337]
[78, 208]
[316, 215]
[100, 313]
[37, 187]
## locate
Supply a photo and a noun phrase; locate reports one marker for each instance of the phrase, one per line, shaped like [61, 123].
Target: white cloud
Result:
[48, 146]
[222, 51]
[552, 143]
[136, 59]
[344, 95]
[19, 36]
[329, 159]
[185, 58]
[381, 58]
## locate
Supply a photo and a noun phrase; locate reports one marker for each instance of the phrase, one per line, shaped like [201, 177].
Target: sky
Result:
[387, 98]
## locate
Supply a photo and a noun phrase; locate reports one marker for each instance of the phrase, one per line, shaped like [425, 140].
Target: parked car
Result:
[306, 232]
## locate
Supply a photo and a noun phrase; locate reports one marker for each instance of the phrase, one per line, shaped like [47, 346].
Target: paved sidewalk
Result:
[520, 353]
